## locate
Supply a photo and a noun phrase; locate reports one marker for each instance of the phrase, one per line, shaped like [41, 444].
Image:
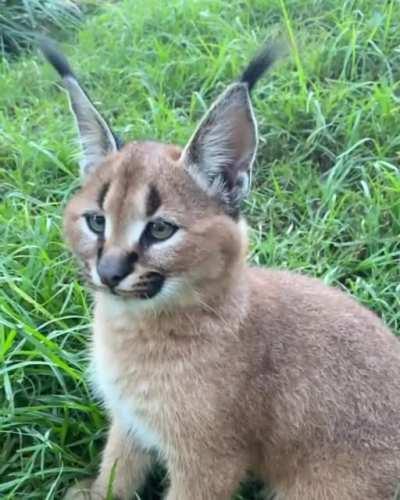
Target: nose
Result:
[114, 267]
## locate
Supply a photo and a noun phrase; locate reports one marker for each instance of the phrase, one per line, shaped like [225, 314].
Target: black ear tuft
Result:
[55, 58]
[262, 62]
[220, 154]
[96, 137]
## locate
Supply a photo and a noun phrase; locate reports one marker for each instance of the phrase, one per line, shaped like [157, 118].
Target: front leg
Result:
[123, 456]
[206, 478]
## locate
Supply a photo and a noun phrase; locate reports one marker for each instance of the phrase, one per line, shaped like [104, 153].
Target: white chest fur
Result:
[127, 394]
[126, 412]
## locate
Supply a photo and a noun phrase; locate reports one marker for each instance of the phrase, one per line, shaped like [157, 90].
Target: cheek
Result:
[202, 255]
[81, 240]
[165, 254]
[204, 260]
[210, 254]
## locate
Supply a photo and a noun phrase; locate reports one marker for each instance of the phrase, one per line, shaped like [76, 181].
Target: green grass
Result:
[21, 19]
[326, 198]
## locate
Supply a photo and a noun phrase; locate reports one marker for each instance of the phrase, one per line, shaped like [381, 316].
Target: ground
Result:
[325, 201]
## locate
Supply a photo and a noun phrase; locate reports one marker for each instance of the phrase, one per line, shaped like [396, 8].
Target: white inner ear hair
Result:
[224, 146]
[95, 137]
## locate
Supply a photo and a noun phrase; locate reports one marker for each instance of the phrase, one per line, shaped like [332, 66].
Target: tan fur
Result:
[238, 369]
[214, 367]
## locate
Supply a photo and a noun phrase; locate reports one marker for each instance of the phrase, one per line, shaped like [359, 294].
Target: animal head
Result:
[158, 223]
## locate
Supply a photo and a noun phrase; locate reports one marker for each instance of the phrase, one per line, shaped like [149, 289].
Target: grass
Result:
[326, 198]
[20, 19]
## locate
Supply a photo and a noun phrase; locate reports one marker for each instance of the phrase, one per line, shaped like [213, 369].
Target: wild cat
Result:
[213, 366]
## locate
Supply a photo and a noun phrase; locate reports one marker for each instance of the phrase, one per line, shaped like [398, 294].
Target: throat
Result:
[119, 319]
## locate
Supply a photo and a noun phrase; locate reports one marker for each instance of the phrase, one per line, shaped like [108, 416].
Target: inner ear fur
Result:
[95, 136]
[222, 150]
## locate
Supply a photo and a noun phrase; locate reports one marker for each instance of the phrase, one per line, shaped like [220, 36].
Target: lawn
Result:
[325, 201]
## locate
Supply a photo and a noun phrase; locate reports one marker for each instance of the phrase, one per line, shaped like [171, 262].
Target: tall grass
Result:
[326, 197]
[21, 20]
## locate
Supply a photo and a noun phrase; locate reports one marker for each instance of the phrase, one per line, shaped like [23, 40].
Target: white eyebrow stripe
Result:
[134, 232]
[108, 230]
[135, 221]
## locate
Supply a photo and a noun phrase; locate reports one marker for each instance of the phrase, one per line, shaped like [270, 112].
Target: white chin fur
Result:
[173, 293]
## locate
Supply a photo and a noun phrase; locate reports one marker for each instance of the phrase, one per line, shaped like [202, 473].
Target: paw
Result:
[83, 491]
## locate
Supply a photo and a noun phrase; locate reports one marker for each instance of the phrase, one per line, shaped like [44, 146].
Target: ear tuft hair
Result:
[55, 58]
[220, 154]
[262, 62]
[96, 137]
[222, 149]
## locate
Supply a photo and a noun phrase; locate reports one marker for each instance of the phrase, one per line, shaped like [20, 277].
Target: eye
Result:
[96, 222]
[160, 230]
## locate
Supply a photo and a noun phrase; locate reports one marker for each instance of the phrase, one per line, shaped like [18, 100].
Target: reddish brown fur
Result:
[241, 369]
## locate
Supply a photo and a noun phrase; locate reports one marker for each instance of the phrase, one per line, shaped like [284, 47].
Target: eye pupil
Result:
[161, 230]
[96, 223]
[159, 227]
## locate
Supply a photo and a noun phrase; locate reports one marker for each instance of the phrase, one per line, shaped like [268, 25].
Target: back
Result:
[330, 367]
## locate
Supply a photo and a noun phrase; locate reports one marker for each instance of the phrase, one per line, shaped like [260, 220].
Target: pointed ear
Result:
[95, 136]
[221, 151]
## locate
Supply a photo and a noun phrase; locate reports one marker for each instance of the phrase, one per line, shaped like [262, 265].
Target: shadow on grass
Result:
[156, 485]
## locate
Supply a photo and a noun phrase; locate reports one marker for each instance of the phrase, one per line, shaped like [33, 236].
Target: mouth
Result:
[148, 286]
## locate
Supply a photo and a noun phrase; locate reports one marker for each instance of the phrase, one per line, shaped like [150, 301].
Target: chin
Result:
[173, 293]
[152, 288]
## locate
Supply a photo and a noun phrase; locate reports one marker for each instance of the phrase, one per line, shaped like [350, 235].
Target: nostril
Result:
[132, 258]
[112, 269]
[114, 280]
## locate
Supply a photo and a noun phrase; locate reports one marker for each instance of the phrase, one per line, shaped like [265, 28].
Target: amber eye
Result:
[160, 230]
[96, 223]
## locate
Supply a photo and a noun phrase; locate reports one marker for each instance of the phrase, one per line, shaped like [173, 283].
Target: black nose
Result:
[113, 267]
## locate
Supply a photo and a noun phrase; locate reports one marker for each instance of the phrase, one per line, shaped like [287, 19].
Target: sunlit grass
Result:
[326, 197]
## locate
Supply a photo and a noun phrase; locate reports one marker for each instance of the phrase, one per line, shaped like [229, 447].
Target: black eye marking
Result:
[96, 222]
[157, 231]
[102, 194]
[153, 201]
[99, 251]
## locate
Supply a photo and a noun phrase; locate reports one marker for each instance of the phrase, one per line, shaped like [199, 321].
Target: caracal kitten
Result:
[210, 365]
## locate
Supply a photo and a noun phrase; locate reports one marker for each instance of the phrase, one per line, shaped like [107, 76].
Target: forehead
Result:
[144, 177]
